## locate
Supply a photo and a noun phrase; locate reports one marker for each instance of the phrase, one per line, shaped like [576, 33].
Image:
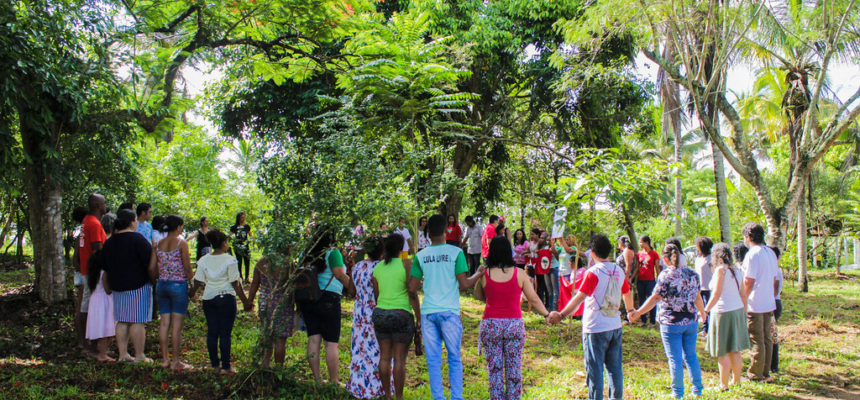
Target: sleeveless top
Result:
[503, 298]
[730, 298]
[170, 265]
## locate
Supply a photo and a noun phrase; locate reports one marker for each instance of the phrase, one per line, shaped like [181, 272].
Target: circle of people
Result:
[733, 292]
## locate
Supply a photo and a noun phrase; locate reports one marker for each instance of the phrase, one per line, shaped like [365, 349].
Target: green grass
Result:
[820, 356]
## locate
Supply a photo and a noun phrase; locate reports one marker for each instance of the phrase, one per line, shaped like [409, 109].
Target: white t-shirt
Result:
[594, 284]
[406, 236]
[704, 269]
[780, 279]
[730, 299]
[473, 234]
[760, 264]
[217, 272]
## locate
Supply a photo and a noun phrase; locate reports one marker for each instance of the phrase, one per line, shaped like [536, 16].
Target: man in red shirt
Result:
[92, 238]
[488, 235]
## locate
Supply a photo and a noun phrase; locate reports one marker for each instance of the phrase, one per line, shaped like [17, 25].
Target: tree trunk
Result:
[801, 246]
[631, 231]
[464, 157]
[45, 196]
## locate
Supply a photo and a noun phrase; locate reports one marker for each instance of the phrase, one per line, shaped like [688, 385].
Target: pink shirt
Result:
[503, 298]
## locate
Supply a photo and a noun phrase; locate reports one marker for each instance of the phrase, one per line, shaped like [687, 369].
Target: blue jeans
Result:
[679, 341]
[644, 290]
[437, 328]
[172, 297]
[603, 350]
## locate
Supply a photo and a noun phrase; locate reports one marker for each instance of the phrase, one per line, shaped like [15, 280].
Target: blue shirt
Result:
[333, 259]
[145, 229]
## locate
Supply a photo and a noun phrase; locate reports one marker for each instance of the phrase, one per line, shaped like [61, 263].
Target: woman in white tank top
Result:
[727, 333]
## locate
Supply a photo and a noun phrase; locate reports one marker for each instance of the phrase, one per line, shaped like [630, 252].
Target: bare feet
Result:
[179, 366]
[230, 371]
[142, 360]
[105, 358]
[165, 363]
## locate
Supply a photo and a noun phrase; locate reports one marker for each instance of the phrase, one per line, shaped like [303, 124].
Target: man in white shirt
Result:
[472, 243]
[761, 285]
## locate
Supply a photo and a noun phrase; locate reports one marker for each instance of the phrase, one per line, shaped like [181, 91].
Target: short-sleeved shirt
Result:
[647, 265]
[127, 257]
[779, 278]
[439, 266]
[240, 235]
[760, 264]
[145, 229]
[486, 237]
[391, 281]
[705, 271]
[679, 288]
[544, 261]
[218, 272]
[91, 232]
[406, 236]
[473, 234]
[326, 279]
[594, 286]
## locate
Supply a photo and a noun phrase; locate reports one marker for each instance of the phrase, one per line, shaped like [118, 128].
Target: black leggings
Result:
[244, 255]
[220, 314]
[544, 290]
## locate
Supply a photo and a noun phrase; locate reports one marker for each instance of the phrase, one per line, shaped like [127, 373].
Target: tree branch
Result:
[171, 26]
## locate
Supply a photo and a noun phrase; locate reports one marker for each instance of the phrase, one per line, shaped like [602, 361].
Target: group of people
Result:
[125, 265]
[733, 292]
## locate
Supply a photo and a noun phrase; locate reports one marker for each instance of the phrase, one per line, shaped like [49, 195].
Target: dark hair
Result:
[393, 246]
[142, 208]
[124, 219]
[203, 218]
[171, 222]
[536, 231]
[216, 238]
[452, 215]
[754, 231]
[470, 219]
[776, 251]
[704, 245]
[673, 252]
[675, 241]
[500, 230]
[494, 218]
[107, 222]
[79, 213]
[158, 223]
[722, 255]
[321, 242]
[515, 237]
[436, 225]
[95, 265]
[500, 254]
[126, 206]
[426, 226]
[741, 252]
[600, 245]
[238, 215]
[374, 246]
[625, 241]
[646, 239]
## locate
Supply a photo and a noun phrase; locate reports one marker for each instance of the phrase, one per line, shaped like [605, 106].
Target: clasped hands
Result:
[554, 317]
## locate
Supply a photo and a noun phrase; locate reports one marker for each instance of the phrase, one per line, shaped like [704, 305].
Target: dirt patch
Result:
[805, 330]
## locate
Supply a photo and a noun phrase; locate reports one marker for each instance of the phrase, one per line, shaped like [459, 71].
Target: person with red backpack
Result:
[602, 290]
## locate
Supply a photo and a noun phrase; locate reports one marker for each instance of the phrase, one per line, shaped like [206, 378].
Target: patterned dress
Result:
[364, 381]
[276, 307]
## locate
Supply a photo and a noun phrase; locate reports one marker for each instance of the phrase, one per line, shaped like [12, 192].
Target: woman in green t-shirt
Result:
[396, 317]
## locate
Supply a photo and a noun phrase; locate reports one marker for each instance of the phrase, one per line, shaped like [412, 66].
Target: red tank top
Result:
[503, 298]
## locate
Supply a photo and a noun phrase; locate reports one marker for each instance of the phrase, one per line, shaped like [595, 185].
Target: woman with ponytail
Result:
[678, 291]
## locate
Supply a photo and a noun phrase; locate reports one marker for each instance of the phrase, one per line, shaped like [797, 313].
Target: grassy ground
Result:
[820, 356]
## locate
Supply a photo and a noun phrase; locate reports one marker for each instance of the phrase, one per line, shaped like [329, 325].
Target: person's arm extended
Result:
[649, 304]
[775, 286]
[700, 306]
[565, 246]
[193, 235]
[412, 285]
[194, 286]
[340, 274]
[375, 289]
[531, 295]
[720, 276]
[240, 293]
[468, 283]
[572, 304]
[413, 295]
[628, 261]
[256, 280]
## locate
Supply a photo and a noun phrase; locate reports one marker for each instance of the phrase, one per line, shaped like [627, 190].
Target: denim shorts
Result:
[172, 297]
[396, 325]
